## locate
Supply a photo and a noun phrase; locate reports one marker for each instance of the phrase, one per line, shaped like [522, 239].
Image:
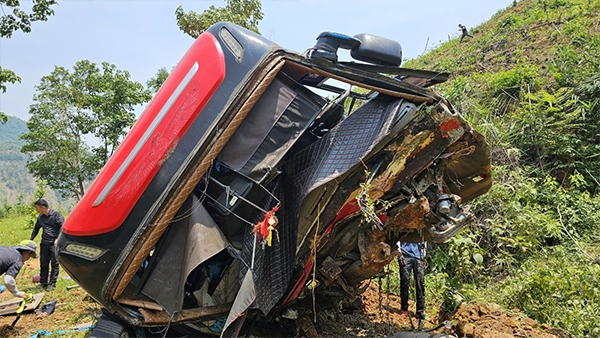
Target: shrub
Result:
[507, 23]
[511, 82]
[558, 134]
[558, 288]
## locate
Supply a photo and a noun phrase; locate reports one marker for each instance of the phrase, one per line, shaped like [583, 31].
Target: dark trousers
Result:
[465, 35]
[48, 258]
[416, 266]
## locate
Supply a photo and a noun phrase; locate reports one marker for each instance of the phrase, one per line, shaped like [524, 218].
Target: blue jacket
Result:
[412, 250]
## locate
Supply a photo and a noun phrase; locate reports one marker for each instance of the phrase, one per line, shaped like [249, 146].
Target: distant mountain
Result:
[11, 130]
[15, 180]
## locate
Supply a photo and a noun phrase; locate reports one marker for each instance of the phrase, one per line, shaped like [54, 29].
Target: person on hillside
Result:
[51, 221]
[12, 259]
[411, 260]
[464, 31]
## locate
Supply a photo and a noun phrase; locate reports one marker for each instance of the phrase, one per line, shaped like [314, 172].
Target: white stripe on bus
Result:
[163, 112]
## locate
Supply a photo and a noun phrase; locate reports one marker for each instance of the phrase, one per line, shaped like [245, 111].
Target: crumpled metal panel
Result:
[324, 160]
[470, 175]
[337, 152]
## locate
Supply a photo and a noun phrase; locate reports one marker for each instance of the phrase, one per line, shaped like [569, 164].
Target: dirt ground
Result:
[75, 310]
[379, 316]
[73, 315]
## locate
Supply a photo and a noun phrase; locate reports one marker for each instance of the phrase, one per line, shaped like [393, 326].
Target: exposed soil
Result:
[380, 316]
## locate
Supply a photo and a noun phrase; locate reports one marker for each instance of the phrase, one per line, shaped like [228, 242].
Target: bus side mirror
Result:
[363, 47]
[377, 50]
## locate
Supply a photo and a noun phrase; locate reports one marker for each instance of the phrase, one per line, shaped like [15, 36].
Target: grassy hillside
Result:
[529, 79]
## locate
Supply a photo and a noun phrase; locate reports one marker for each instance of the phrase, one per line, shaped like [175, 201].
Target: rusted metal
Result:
[140, 303]
[203, 313]
[375, 254]
[344, 284]
[306, 325]
[411, 217]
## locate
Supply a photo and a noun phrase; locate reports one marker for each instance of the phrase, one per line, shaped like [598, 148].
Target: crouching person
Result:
[11, 262]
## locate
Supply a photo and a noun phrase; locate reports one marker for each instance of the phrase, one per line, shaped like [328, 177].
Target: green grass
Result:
[14, 229]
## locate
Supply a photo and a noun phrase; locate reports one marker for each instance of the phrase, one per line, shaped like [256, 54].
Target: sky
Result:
[141, 36]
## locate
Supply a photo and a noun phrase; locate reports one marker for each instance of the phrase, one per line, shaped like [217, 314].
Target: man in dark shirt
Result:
[464, 31]
[51, 222]
[11, 262]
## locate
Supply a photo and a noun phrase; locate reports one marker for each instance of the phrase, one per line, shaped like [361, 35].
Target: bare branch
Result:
[573, 239]
[595, 180]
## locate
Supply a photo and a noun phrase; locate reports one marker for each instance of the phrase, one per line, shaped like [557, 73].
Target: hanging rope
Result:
[314, 276]
[169, 323]
[380, 298]
[165, 329]
[59, 332]
[389, 318]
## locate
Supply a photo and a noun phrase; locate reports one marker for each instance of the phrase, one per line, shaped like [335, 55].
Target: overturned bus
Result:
[257, 176]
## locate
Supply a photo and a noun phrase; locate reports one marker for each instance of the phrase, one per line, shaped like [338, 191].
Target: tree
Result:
[246, 13]
[6, 76]
[19, 20]
[70, 107]
[112, 97]
[155, 83]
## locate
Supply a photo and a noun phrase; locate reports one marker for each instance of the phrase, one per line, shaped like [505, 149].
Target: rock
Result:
[468, 330]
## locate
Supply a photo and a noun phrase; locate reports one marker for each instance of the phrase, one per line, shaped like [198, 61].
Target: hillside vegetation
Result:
[530, 81]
